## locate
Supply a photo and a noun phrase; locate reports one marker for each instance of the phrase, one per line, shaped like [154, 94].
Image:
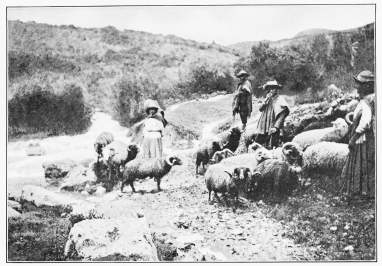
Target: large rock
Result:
[14, 205]
[58, 169]
[34, 149]
[77, 178]
[12, 212]
[41, 196]
[115, 228]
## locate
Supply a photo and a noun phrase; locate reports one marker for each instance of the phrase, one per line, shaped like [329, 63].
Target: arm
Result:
[366, 118]
[280, 119]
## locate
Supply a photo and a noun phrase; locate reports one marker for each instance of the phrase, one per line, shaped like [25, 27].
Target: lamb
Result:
[101, 142]
[117, 154]
[333, 134]
[143, 168]
[222, 179]
[325, 160]
[220, 155]
[275, 178]
[250, 160]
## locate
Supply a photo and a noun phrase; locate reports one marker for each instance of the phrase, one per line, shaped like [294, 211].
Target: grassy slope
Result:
[98, 59]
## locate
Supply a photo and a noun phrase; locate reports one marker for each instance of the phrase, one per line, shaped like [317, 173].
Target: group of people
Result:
[358, 176]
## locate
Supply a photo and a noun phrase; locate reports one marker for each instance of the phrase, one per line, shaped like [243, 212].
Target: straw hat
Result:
[272, 83]
[150, 104]
[242, 73]
[364, 77]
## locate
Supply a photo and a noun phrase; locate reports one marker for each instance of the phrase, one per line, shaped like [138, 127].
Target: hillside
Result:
[313, 32]
[302, 37]
[115, 70]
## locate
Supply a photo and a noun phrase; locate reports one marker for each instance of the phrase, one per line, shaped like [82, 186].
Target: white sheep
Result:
[331, 134]
[143, 168]
[225, 179]
[101, 142]
[250, 160]
[324, 160]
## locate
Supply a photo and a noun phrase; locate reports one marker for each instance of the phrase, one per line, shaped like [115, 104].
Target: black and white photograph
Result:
[204, 131]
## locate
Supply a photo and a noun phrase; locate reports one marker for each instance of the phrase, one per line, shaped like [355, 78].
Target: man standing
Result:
[242, 103]
[274, 110]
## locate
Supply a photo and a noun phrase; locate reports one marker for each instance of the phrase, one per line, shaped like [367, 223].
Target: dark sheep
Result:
[143, 168]
[224, 179]
[101, 142]
[275, 179]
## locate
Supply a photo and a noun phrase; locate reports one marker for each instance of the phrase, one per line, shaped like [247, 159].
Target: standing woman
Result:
[358, 175]
[152, 132]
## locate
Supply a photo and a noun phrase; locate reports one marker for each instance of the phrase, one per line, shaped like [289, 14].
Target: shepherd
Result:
[358, 175]
[153, 130]
[274, 108]
[242, 103]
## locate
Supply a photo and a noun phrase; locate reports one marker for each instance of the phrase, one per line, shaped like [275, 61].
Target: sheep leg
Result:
[122, 185]
[132, 186]
[209, 195]
[158, 184]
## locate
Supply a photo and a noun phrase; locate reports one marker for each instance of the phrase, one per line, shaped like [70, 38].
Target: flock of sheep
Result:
[237, 164]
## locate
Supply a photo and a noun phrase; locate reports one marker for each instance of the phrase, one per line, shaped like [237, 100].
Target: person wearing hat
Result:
[242, 102]
[152, 131]
[273, 110]
[358, 175]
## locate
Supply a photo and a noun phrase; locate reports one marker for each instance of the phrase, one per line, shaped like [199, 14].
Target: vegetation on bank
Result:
[312, 64]
[117, 70]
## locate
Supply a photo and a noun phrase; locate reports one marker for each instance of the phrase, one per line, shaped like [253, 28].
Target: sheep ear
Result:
[249, 171]
[168, 160]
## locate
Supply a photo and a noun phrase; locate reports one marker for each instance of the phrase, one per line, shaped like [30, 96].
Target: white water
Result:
[23, 169]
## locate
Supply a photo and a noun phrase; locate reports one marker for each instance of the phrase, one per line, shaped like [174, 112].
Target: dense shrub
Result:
[39, 234]
[40, 110]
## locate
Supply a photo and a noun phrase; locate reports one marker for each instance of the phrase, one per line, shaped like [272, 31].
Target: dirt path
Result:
[182, 214]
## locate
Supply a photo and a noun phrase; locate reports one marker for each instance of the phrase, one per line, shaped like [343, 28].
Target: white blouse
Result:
[152, 124]
[365, 122]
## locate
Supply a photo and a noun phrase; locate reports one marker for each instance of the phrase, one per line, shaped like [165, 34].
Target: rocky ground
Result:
[183, 217]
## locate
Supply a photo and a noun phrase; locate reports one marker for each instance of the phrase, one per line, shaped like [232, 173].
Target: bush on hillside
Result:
[39, 234]
[40, 110]
[315, 64]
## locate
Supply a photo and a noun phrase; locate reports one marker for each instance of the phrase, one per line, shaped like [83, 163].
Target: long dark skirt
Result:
[358, 175]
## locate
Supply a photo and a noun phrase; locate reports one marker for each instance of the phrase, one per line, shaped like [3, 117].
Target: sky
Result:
[222, 24]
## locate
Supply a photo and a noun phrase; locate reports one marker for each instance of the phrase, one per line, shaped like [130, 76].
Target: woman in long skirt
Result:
[358, 175]
[153, 132]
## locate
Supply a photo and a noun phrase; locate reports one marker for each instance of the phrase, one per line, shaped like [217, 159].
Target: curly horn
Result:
[168, 158]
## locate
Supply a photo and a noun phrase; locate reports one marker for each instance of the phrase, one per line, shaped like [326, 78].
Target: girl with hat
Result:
[358, 175]
[242, 103]
[152, 131]
[273, 110]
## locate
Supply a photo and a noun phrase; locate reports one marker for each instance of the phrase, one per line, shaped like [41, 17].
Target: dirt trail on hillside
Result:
[182, 212]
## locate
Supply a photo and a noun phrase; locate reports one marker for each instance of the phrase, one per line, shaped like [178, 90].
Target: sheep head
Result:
[173, 160]
[293, 153]
[254, 146]
[98, 148]
[133, 150]
[340, 126]
[263, 154]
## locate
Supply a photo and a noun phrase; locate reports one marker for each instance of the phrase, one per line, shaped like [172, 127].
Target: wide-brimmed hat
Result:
[364, 77]
[272, 83]
[242, 73]
[149, 104]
